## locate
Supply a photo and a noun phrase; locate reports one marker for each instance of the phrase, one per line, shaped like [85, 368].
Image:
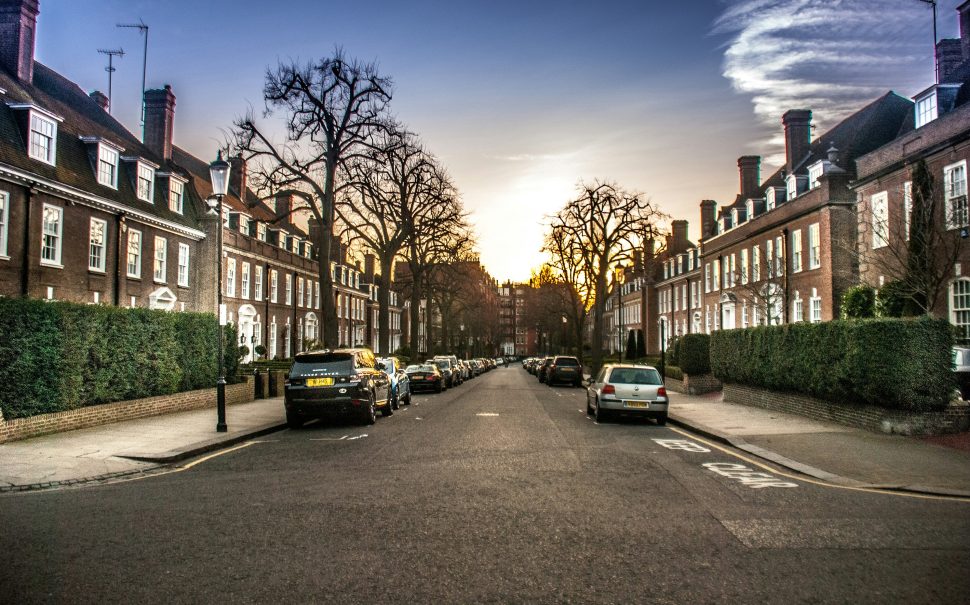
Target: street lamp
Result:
[219, 175]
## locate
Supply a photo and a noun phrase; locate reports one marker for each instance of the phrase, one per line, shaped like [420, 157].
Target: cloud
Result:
[830, 56]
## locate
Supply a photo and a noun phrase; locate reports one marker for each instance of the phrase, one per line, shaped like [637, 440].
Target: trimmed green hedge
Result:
[674, 372]
[57, 356]
[893, 363]
[694, 354]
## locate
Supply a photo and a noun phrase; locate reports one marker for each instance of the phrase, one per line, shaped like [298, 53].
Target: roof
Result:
[82, 117]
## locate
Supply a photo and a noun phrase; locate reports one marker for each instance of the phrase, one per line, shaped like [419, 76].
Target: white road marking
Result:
[486, 414]
[748, 477]
[682, 444]
[330, 438]
[357, 437]
[418, 418]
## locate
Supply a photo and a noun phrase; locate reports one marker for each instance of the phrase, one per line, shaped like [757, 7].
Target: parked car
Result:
[565, 370]
[345, 382]
[425, 377]
[446, 372]
[961, 370]
[400, 383]
[456, 374]
[542, 367]
[627, 389]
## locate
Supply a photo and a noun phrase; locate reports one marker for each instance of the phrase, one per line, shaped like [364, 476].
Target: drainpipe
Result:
[784, 293]
[25, 269]
[265, 294]
[119, 229]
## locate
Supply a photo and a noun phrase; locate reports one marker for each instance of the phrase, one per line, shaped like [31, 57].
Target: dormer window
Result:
[107, 165]
[145, 182]
[926, 109]
[814, 172]
[176, 194]
[244, 224]
[43, 138]
[749, 207]
[261, 232]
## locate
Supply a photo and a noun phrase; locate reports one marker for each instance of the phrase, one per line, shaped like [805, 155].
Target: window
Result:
[907, 207]
[744, 266]
[50, 253]
[816, 307]
[814, 247]
[231, 277]
[289, 289]
[176, 194]
[183, 277]
[261, 232]
[43, 138]
[258, 284]
[161, 255]
[792, 186]
[107, 166]
[798, 313]
[770, 257]
[272, 339]
[96, 245]
[244, 284]
[4, 222]
[134, 253]
[146, 183]
[755, 264]
[880, 220]
[955, 190]
[814, 171]
[796, 250]
[926, 109]
[779, 256]
[960, 309]
[716, 280]
[734, 268]
[318, 295]
[273, 285]
[299, 291]
[744, 315]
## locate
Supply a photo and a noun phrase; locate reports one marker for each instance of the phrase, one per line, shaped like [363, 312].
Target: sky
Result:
[522, 100]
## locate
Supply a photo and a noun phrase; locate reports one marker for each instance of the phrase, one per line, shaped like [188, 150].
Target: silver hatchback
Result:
[627, 389]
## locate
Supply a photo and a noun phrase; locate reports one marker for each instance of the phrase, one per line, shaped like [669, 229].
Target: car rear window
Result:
[567, 361]
[323, 363]
[444, 364]
[635, 376]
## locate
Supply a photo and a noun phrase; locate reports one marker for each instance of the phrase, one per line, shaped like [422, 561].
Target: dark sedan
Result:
[425, 377]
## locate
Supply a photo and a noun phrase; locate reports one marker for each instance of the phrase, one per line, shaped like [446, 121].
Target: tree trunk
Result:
[415, 313]
[383, 306]
[598, 307]
[328, 305]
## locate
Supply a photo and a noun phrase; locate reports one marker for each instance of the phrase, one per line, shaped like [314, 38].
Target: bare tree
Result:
[598, 230]
[387, 199]
[331, 109]
[552, 299]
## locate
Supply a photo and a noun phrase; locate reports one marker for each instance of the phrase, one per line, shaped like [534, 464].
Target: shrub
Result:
[891, 299]
[893, 363]
[859, 302]
[673, 352]
[674, 372]
[694, 354]
[57, 356]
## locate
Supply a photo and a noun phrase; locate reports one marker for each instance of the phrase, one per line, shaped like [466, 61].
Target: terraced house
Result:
[89, 213]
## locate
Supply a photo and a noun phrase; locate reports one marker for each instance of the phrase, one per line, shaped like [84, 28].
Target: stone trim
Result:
[954, 419]
[106, 413]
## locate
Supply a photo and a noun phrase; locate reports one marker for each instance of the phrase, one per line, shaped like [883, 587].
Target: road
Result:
[501, 490]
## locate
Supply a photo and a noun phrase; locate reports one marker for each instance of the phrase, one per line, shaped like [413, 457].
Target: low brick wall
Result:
[106, 413]
[954, 419]
[694, 385]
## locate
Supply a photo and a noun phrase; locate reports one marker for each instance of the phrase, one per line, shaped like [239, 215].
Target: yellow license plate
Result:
[636, 404]
[319, 382]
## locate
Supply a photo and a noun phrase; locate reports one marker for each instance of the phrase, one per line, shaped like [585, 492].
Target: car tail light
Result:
[661, 392]
[609, 389]
[294, 381]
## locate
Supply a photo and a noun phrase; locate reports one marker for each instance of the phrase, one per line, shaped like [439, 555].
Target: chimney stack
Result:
[798, 136]
[237, 176]
[284, 208]
[708, 217]
[160, 121]
[678, 232]
[18, 28]
[749, 167]
[964, 10]
[369, 260]
[949, 56]
[101, 99]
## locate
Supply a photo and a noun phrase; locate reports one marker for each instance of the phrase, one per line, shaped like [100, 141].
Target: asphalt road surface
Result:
[501, 490]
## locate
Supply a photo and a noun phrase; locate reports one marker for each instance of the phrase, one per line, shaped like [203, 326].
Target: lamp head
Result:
[219, 175]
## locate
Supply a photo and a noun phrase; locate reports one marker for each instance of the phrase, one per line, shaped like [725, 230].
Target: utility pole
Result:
[111, 68]
[141, 27]
[936, 62]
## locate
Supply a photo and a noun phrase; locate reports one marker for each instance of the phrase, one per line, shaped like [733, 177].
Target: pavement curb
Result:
[203, 447]
[804, 469]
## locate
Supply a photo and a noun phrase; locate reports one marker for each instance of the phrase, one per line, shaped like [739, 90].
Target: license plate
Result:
[636, 404]
[319, 382]
[417, 378]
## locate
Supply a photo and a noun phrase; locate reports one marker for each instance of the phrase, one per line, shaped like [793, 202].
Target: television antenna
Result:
[142, 28]
[111, 68]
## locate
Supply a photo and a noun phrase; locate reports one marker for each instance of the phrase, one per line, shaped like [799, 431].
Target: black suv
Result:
[565, 369]
[339, 382]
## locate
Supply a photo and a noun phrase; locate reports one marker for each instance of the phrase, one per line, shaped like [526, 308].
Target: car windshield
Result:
[420, 368]
[635, 376]
[444, 364]
[323, 363]
[567, 361]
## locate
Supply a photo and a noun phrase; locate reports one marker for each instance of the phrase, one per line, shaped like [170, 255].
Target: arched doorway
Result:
[246, 328]
[728, 304]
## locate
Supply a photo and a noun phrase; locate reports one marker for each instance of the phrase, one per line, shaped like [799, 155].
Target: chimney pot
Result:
[798, 136]
[101, 99]
[749, 168]
[160, 121]
[708, 217]
[237, 177]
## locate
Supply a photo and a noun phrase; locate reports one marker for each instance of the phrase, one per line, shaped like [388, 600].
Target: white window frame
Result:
[907, 208]
[258, 282]
[755, 263]
[796, 246]
[955, 195]
[53, 240]
[770, 257]
[274, 283]
[4, 223]
[176, 194]
[133, 255]
[959, 291]
[926, 109]
[299, 291]
[814, 246]
[33, 120]
[815, 307]
[244, 281]
[160, 264]
[98, 252]
[288, 285]
[744, 266]
[145, 174]
[879, 210]
[108, 160]
[230, 277]
[814, 172]
[183, 268]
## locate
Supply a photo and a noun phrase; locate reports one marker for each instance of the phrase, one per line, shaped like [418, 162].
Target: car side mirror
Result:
[381, 366]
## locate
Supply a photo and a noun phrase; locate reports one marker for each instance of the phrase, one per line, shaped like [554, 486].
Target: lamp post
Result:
[219, 175]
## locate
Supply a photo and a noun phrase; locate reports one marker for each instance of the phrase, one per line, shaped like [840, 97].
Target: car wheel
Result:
[370, 412]
[589, 408]
[662, 419]
[407, 400]
[388, 409]
[599, 413]
[293, 420]
[395, 404]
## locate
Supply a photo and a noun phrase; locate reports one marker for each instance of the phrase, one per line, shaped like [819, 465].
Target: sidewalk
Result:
[130, 447]
[827, 451]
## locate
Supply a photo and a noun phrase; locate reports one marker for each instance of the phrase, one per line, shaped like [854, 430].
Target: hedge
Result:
[893, 363]
[674, 372]
[694, 354]
[57, 356]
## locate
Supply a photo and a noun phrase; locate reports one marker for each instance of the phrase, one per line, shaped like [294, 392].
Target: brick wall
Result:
[954, 419]
[694, 385]
[96, 415]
